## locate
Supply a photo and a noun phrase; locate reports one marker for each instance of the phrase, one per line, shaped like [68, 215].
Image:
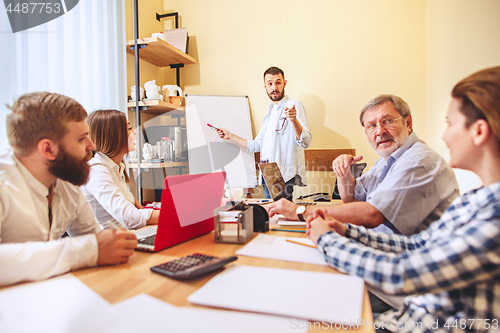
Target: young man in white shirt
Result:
[283, 136]
[40, 197]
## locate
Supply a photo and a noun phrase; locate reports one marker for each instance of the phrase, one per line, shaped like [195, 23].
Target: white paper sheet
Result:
[276, 247]
[306, 295]
[153, 315]
[62, 304]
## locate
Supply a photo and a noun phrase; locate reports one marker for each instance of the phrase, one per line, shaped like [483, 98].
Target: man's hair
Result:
[108, 131]
[274, 71]
[480, 95]
[40, 115]
[399, 104]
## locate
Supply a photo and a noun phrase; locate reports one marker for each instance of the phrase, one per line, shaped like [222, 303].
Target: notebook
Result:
[187, 210]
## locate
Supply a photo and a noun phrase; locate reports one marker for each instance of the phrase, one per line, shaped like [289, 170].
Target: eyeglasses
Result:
[282, 124]
[387, 123]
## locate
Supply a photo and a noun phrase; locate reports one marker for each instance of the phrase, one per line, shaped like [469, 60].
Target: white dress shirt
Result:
[109, 195]
[285, 149]
[273, 123]
[30, 247]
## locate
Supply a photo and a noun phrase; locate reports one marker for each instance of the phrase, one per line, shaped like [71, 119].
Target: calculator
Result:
[191, 266]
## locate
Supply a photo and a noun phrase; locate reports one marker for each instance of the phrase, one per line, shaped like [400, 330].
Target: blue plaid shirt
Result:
[453, 267]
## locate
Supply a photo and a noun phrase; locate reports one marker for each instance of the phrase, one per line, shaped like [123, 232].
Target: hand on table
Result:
[318, 223]
[115, 246]
[283, 207]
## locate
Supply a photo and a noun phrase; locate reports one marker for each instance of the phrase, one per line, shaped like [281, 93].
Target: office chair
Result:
[356, 169]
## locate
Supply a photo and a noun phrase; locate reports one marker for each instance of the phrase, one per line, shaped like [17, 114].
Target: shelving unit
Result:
[157, 107]
[154, 165]
[159, 53]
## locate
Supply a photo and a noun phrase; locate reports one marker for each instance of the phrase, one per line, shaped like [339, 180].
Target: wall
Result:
[336, 56]
[462, 37]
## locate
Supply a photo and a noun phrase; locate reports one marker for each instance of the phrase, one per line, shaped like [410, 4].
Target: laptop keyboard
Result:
[150, 240]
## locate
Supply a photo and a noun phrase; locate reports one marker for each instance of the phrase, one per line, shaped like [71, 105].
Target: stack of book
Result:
[178, 38]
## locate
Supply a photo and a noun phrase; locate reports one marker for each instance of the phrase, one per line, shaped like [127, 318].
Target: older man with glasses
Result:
[409, 187]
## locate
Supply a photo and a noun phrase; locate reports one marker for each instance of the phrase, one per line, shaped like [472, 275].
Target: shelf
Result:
[157, 107]
[157, 165]
[160, 53]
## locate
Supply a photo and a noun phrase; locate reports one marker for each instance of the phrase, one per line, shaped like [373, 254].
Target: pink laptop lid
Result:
[187, 207]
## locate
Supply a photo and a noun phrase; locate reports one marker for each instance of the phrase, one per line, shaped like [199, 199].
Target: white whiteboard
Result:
[207, 151]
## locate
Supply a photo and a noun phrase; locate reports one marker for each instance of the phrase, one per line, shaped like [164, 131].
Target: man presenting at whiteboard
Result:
[283, 136]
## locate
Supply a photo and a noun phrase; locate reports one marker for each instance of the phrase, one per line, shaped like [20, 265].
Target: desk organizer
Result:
[233, 225]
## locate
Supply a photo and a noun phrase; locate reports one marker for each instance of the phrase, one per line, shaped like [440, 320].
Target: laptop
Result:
[187, 210]
[273, 179]
[275, 182]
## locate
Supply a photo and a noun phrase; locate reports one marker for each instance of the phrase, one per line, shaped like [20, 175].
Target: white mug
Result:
[149, 83]
[172, 89]
[153, 93]
[160, 35]
[132, 93]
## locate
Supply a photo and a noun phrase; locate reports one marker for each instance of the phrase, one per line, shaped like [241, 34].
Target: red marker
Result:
[213, 127]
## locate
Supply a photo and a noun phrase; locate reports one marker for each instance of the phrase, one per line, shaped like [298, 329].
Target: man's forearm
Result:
[239, 141]
[297, 128]
[359, 213]
[346, 188]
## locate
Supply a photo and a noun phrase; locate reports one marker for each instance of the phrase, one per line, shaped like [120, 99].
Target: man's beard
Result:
[276, 98]
[70, 168]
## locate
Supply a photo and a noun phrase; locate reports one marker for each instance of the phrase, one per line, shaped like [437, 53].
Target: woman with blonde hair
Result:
[107, 189]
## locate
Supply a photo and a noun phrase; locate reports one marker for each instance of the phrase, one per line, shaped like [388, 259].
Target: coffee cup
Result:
[149, 84]
[132, 93]
[159, 35]
[153, 93]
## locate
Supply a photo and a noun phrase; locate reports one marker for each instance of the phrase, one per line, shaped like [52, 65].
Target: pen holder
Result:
[233, 225]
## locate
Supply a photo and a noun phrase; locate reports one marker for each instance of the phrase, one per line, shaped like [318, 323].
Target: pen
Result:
[289, 230]
[213, 127]
[263, 201]
[291, 241]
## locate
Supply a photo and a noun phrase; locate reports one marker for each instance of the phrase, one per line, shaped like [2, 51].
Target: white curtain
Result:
[80, 54]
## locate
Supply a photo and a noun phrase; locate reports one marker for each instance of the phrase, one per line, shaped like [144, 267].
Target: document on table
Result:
[65, 304]
[62, 304]
[277, 247]
[315, 296]
[153, 315]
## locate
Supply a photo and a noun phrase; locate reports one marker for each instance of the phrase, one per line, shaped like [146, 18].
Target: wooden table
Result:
[117, 283]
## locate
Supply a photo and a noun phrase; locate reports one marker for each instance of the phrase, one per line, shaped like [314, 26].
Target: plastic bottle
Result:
[163, 148]
[170, 150]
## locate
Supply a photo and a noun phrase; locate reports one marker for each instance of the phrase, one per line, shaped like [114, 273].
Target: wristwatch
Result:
[300, 211]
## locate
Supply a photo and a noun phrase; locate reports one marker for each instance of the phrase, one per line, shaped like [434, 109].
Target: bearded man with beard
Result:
[283, 136]
[40, 196]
